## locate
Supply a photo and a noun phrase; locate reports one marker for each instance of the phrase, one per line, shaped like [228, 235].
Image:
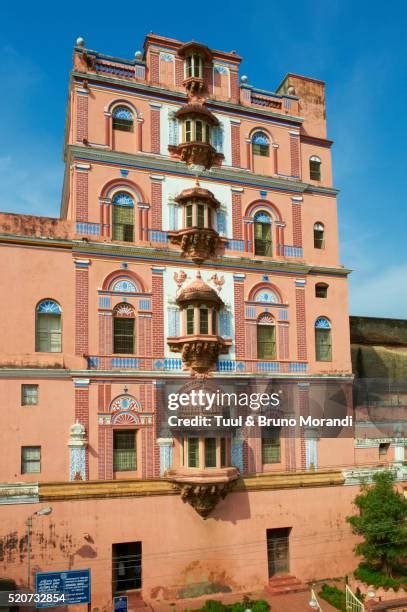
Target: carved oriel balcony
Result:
[203, 489]
[199, 343]
[197, 239]
[195, 148]
[195, 55]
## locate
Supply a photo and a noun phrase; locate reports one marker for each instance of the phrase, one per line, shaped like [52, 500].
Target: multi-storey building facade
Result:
[198, 236]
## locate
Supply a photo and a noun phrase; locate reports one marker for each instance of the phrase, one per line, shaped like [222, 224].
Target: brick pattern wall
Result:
[156, 204]
[235, 136]
[144, 335]
[303, 405]
[297, 224]
[237, 215]
[154, 68]
[81, 196]
[155, 130]
[234, 86]
[295, 155]
[250, 340]
[81, 117]
[301, 327]
[105, 334]
[240, 341]
[158, 315]
[179, 71]
[82, 415]
[283, 351]
[208, 76]
[158, 399]
[81, 311]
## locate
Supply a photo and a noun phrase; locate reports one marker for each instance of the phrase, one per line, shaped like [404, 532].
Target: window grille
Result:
[30, 459]
[29, 395]
[122, 119]
[124, 451]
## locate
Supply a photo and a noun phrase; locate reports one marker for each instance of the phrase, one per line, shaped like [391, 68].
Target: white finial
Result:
[243, 78]
[138, 55]
[80, 42]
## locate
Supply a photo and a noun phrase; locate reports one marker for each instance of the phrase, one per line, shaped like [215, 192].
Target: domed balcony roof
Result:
[191, 46]
[197, 193]
[196, 110]
[198, 291]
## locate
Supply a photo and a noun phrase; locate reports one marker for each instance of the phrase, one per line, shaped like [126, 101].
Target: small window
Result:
[193, 452]
[201, 215]
[30, 459]
[188, 215]
[321, 290]
[188, 131]
[126, 566]
[48, 327]
[124, 451]
[266, 338]
[198, 130]
[190, 321]
[383, 448]
[319, 236]
[123, 329]
[122, 119]
[203, 321]
[260, 144]
[29, 395]
[123, 217]
[210, 452]
[323, 340]
[262, 234]
[315, 168]
[270, 446]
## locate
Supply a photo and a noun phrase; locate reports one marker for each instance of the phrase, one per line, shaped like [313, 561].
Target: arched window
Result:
[323, 340]
[124, 285]
[262, 234]
[123, 329]
[321, 290]
[266, 295]
[315, 168]
[123, 217]
[48, 337]
[260, 144]
[319, 236]
[266, 337]
[122, 119]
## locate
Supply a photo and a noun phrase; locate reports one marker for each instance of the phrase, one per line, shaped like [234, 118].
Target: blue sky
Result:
[358, 48]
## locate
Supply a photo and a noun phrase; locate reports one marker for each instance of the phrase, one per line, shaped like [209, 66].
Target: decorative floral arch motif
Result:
[122, 112]
[124, 418]
[49, 307]
[122, 185]
[262, 131]
[261, 138]
[262, 288]
[322, 323]
[124, 311]
[121, 103]
[117, 275]
[122, 198]
[266, 295]
[124, 285]
[262, 217]
[265, 318]
[263, 206]
[124, 403]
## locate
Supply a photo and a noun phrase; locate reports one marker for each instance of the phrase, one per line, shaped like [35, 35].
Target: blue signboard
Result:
[56, 589]
[120, 604]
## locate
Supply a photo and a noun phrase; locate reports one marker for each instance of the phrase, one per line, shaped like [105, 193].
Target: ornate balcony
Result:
[199, 344]
[203, 488]
[197, 239]
[197, 124]
[195, 55]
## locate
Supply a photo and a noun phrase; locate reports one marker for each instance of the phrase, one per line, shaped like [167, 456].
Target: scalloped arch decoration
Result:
[125, 418]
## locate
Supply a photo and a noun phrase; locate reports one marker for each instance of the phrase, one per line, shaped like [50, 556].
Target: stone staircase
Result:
[285, 583]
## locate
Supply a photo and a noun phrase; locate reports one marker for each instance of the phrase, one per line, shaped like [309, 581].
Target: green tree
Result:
[382, 522]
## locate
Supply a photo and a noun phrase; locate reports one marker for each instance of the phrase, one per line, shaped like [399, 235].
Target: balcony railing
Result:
[170, 364]
[88, 229]
[157, 236]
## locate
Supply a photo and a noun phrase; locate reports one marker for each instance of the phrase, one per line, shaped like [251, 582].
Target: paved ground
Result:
[295, 602]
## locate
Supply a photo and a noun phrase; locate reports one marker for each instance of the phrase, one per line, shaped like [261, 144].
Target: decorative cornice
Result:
[156, 163]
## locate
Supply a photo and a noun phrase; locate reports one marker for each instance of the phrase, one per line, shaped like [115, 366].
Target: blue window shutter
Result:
[173, 322]
[224, 324]
[217, 138]
[173, 130]
[221, 222]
